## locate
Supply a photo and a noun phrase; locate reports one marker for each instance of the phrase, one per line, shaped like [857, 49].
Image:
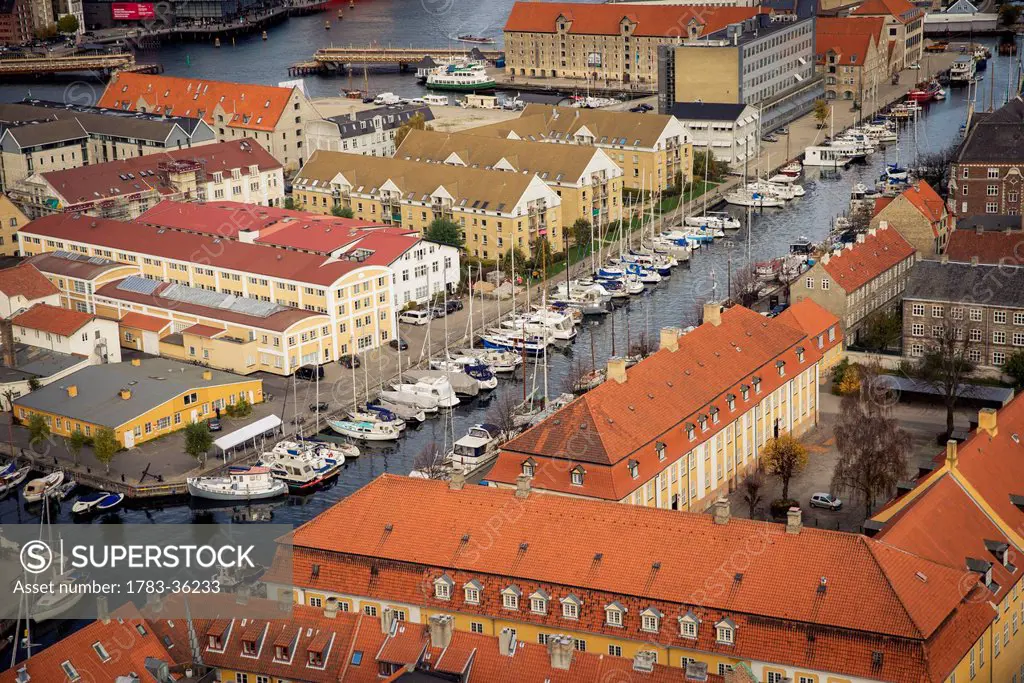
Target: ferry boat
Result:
[924, 92]
[829, 157]
[242, 483]
[461, 77]
[963, 70]
[470, 38]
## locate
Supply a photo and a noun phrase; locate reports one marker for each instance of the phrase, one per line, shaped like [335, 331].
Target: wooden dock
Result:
[335, 59]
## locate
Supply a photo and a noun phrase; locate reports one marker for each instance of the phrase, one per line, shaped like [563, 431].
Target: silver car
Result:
[825, 500]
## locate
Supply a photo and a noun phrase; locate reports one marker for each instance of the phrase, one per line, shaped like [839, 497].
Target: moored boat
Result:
[37, 488]
[364, 431]
[477, 448]
[241, 483]
[12, 477]
[96, 501]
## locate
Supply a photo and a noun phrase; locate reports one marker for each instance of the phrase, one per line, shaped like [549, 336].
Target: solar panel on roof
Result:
[140, 285]
[226, 302]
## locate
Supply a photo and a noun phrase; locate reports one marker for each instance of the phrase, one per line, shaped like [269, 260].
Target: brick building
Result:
[987, 173]
[920, 215]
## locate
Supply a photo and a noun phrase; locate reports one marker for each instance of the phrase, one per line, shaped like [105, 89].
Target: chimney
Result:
[951, 456]
[387, 620]
[849, 246]
[560, 650]
[826, 258]
[7, 340]
[72, 391]
[125, 393]
[507, 642]
[670, 338]
[871, 232]
[974, 261]
[713, 313]
[136, 362]
[102, 609]
[440, 626]
[331, 608]
[207, 375]
[861, 237]
[522, 486]
[457, 481]
[617, 369]
[23, 675]
[883, 225]
[944, 259]
[987, 421]
[720, 511]
[794, 520]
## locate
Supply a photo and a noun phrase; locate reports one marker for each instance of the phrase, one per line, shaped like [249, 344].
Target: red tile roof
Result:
[128, 649]
[851, 49]
[180, 246]
[243, 105]
[926, 200]
[605, 19]
[53, 319]
[631, 554]
[859, 263]
[116, 179]
[25, 280]
[989, 246]
[814, 320]
[141, 321]
[902, 10]
[208, 331]
[871, 26]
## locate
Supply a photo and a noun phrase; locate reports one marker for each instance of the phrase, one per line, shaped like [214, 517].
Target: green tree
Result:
[581, 231]
[33, 383]
[75, 442]
[289, 203]
[784, 457]
[340, 211]
[882, 329]
[415, 122]
[242, 408]
[444, 231]
[821, 112]
[1009, 14]
[67, 24]
[519, 258]
[38, 430]
[197, 440]
[1014, 367]
[715, 171]
[105, 446]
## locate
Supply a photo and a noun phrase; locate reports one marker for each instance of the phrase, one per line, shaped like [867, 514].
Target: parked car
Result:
[320, 407]
[310, 373]
[453, 305]
[213, 424]
[646, 107]
[783, 131]
[826, 501]
[438, 312]
[350, 361]
[638, 110]
[769, 138]
[415, 317]
[398, 344]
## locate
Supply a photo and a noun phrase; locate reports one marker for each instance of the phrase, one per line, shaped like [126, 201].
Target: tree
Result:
[289, 203]
[715, 170]
[934, 168]
[784, 457]
[415, 122]
[105, 446]
[75, 442]
[1014, 367]
[197, 440]
[821, 112]
[67, 24]
[241, 408]
[34, 383]
[444, 231]
[1009, 14]
[752, 487]
[430, 461]
[502, 413]
[38, 430]
[946, 367]
[882, 329]
[520, 259]
[581, 231]
[872, 446]
[339, 211]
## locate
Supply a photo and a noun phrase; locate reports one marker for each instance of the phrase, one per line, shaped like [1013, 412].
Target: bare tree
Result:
[643, 346]
[502, 413]
[431, 462]
[574, 377]
[752, 487]
[745, 285]
[946, 367]
[872, 446]
[860, 217]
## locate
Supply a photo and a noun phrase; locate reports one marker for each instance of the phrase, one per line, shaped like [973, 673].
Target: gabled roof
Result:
[813, 319]
[988, 246]
[606, 19]
[996, 138]
[962, 283]
[244, 105]
[25, 280]
[141, 321]
[47, 132]
[926, 200]
[851, 49]
[52, 319]
[902, 10]
[859, 263]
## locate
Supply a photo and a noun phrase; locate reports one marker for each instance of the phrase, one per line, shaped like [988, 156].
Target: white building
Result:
[370, 132]
[423, 270]
[66, 331]
[23, 286]
[730, 130]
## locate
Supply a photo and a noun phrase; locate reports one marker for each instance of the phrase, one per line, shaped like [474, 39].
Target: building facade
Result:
[919, 214]
[652, 150]
[982, 304]
[496, 210]
[273, 116]
[23, 286]
[11, 218]
[70, 332]
[586, 180]
[988, 170]
[766, 61]
[852, 57]
[859, 279]
[904, 28]
[370, 132]
[730, 131]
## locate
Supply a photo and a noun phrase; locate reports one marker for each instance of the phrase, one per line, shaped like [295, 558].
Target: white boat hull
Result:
[197, 489]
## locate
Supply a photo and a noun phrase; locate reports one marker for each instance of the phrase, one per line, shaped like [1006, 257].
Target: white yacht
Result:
[302, 471]
[713, 219]
[364, 431]
[439, 389]
[242, 483]
[751, 198]
[477, 448]
[462, 384]
[498, 361]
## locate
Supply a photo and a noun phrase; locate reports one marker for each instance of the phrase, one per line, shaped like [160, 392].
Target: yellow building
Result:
[78, 276]
[495, 209]
[652, 150]
[586, 179]
[350, 299]
[140, 400]
[11, 218]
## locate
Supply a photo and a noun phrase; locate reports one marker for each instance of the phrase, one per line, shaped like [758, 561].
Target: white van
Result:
[415, 317]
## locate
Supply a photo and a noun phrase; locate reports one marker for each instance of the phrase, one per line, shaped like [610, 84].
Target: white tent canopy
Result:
[251, 431]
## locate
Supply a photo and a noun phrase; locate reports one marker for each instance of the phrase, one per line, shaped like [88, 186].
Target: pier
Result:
[335, 59]
[43, 66]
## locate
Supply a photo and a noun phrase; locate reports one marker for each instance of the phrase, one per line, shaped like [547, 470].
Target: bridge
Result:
[39, 66]
[337, 58]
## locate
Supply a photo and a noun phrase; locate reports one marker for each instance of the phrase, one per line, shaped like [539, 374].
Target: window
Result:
[370, 610]
[809, 283]
[917, 309]
[241, 678]
[824, 283]
[937, 311]
[443, 588]
[773, 677]
[725, 632]
[976, 314]
[991, 207]
[917, 329]
[974, 335]
[998, 358]
[999, 317]
[956, 313]
[315, 602]
[650, 620]
[615, 650]
[472, 595]
[937, 331]
[991, 190]
[577, 476]
[539, 603]
[101, 651]
[688, 625]
[476, 627]
[571, 607]
[998, 337]
[510, 600]
[1018, 318]
[993, 173]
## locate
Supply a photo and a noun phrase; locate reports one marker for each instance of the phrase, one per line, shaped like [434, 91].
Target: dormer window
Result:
[650, 620]
[730, 400]
[214, 642]
[1001, 551]
[745, 391]
[781, 367]
[756, 381]
[472, 592]
[571, 607]
[529, 467]
[614, 613]
[510, 597]
[443, 587]
[315, 658]
[659, 447]
[539, 602]
[688, 624]
[725, 632]
[70, 671]
[576, 476]
[703, 422]
[281, 653]
[800, 353]
[101, 651]
[691, 431]
[634, 468]
[249, 647]
[821, 341]
[714, 414]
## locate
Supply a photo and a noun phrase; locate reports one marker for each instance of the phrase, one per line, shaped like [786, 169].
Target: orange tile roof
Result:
[141, 321]
[926, 200]
[201, 330]
[851, 49]
[128, 649]
[859, 263]
[605, 19]
[871, 26]
[53, 319]
[902, 10]
[990, 246]
[244, 105]
[880, 204]
[631, 554]
[25, 280]
[814, 320]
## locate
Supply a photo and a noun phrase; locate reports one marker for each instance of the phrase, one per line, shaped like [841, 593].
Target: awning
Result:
[250, 431]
